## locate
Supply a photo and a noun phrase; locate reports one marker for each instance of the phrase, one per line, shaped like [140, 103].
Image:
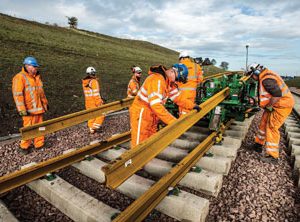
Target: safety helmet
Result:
[137, 69]
[254, 69]
[182, 72]
[183, 54]
[31, 61]
[91, 70]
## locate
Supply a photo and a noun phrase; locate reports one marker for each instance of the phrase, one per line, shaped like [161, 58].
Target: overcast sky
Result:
[217, 29]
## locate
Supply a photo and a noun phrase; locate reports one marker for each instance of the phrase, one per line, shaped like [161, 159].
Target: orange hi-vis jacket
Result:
[28, 93]
[154, 93]
[148, 107]
[195, 76]
[285, 101]
[133, 87]
[91, 91]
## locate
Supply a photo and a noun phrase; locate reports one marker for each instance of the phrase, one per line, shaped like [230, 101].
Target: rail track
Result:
[292, 132]
[170, 162]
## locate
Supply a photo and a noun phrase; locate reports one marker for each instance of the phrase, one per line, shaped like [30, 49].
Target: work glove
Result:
[269, 108]
[23, 113]
[196, 107]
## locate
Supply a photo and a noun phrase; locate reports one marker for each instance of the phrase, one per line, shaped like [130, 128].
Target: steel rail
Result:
[23, 176]
[141, 207]
[218, 75]
[72, 119]
[133, 160]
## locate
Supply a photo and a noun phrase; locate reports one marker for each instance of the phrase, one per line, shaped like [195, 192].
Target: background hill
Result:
[64, 54]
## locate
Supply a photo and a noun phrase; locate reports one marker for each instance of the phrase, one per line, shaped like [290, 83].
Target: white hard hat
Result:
[255, 68]
[91, 70]
[137, 69]
[183, 54]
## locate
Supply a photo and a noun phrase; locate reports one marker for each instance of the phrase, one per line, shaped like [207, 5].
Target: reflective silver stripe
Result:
[139, 127]
[264, 99]
[262, 132]
[20, 103]
[155, 94]
[271, 144]
[96, 90]
[134, 91]
[175, 96]
[144, 91]
[30, 88]
[272, 150]
[158, 87]
[34, 110]
[18, 93]
[260, 137]
[90, 95]
[187, 88]
[285, 92]
[174, 91]
[142, 97]
[153, 102]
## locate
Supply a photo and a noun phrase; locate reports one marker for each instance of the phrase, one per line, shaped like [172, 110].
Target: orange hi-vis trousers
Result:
[96, 123]
[28, 121]
[268, 132]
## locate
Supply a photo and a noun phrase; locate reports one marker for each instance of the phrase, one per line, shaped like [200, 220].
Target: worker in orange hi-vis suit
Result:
[277, 101]
[148, 105]
[93, 99]
[134, 83]
[30, 99]
[195, 77]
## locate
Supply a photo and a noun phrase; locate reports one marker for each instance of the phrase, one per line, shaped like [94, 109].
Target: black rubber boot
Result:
[257, 147]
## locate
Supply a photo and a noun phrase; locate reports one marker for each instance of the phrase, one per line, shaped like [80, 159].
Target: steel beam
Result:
[63, 122]
[21, 177]
[133, 160]
[141, 207]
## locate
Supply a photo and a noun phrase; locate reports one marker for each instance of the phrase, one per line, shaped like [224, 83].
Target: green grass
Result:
[64, 55]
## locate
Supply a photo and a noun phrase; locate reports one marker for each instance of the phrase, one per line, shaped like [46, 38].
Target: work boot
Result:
[92, 131]
[269, 159]
[257, 147]
[24, 151]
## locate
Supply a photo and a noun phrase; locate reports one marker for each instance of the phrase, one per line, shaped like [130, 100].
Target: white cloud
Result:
[216, 29]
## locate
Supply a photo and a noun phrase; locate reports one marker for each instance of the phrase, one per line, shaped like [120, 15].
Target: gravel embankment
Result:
[58, 142]
[257, 191]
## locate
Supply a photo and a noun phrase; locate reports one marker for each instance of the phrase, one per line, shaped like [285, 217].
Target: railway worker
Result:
[93, 99]
[30, 99]
[195, 77]
[134, 83]
[148, 105]
[277, 101]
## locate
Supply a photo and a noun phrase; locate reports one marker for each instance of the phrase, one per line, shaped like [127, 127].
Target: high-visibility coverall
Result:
[189, 89]
[29, 96]
[272, 85]
[133, 87]
[148, 107]
[91, 90]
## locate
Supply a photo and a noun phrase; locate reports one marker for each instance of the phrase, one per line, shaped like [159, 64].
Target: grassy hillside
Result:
[294, 82]
[64, 55]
